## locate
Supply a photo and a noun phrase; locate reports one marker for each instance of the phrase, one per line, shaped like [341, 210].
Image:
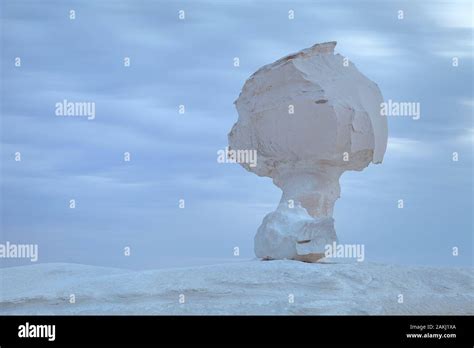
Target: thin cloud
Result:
[451, 14]
[406, 147]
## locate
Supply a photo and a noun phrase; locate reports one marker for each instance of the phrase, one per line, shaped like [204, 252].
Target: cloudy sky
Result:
[173, 156]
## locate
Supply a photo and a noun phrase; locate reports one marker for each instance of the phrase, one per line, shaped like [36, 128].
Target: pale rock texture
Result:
[238, 288]
[310, 116]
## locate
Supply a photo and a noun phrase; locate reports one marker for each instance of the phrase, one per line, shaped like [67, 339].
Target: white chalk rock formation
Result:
[310, 116]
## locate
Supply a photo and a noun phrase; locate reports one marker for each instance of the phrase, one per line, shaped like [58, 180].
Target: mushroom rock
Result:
[309, 116]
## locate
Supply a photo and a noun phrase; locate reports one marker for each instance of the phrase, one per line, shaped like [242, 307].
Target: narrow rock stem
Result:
[316, 190]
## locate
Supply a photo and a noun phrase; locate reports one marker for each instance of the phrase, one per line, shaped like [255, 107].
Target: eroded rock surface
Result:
[310, 116]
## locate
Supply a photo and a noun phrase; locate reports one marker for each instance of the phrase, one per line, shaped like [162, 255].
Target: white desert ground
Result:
[242, 288]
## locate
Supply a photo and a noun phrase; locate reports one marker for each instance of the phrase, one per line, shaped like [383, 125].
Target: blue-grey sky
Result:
[173, 156]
